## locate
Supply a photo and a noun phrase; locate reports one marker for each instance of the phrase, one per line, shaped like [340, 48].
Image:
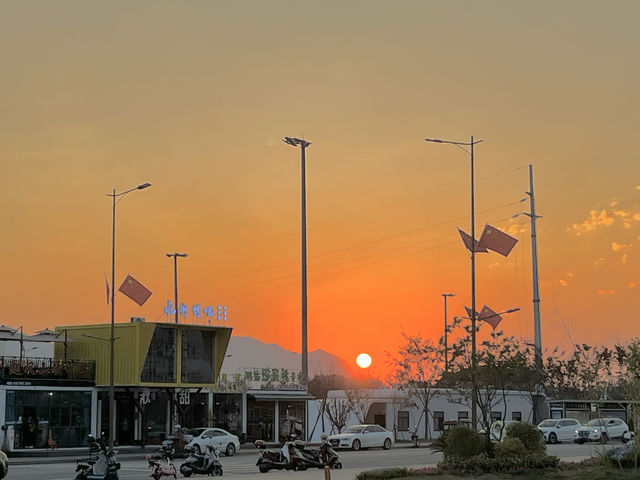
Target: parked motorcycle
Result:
[162, 465]
[206, 464]
[102, 465]
[323, 456]
[287, 458]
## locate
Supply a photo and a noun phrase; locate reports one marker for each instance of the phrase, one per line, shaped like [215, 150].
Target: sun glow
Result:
[363, 360]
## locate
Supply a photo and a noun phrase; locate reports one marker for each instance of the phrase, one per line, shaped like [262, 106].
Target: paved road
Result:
[242, 466]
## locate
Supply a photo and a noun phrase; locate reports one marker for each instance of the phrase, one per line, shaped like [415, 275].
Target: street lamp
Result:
[303, 144]
[446, 346]
[116, 198]
[462, 145]
[175, 276]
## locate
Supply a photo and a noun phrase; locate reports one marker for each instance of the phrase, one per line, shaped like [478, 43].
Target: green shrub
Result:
[383, 474]
[510, 447]
[513, 465]
[462, 442]
[528, 434]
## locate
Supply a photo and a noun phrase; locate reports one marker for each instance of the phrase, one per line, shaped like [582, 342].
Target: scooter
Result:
[206, 464]
[163, 469]
[324, 456]
[287, 458]
[102, 465]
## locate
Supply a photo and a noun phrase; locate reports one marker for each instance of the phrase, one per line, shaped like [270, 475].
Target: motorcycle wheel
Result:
[263, 469]
[217, 471]
[338, 465]
[81, 476]
[186, 471]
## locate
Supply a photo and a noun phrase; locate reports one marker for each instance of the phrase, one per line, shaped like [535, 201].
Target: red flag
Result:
[495, 240]
[135, 290]
[107, 284]
[466, 238]
[489, 316]
[469, 312]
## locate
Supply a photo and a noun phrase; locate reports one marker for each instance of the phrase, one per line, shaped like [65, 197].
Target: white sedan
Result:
[362, 436]
[559, 429]
[601, 429]
[224, 441]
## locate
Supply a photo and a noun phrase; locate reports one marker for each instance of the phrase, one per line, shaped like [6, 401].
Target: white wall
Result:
[448, 401]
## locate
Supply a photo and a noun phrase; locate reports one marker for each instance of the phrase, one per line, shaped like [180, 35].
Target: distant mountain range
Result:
[247, 352]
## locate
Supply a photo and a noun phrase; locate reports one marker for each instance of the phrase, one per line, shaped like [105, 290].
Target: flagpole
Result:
[119, 197]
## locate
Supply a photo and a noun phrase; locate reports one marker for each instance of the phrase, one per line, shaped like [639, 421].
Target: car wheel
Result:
[604, 438]
[387, 444]
[231, 450]
[355, 446]
[553, 438]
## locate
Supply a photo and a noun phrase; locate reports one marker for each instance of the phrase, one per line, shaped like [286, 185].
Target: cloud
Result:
[599, 261]
[515, 229]
[616, 247]
[607, 217]
[623, 259]
[595, 220]
[557, 283]
[633, 284]
[570, 274]
[611, 291]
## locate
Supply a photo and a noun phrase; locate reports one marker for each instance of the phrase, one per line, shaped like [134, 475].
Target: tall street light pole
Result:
[446, 345]
[175, 277]
[474, 387]
[116, 197]
[303, 144]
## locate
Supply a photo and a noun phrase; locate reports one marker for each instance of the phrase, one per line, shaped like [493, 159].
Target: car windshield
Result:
[196, 431]
[548, 423]
[353, 430]
[596, 422]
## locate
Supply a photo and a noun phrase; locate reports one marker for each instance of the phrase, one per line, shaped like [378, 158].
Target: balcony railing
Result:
[35, 368]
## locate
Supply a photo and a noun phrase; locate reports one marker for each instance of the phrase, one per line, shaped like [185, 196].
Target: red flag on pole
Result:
[496, 240]
[135, 290]
[107, 284]
[489, 316]
[466, 238]
[469, 312]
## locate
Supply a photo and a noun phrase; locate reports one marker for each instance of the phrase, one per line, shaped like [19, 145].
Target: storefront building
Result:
[163, 375]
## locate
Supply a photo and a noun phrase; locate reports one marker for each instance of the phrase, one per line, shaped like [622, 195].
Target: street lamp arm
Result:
[122, 194]
[451, 142]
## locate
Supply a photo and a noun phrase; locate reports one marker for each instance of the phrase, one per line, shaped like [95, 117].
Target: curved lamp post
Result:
[116, 197]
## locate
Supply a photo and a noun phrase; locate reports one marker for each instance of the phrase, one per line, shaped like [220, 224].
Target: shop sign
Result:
[145, 396]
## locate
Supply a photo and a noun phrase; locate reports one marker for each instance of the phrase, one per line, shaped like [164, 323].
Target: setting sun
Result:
[363, 360]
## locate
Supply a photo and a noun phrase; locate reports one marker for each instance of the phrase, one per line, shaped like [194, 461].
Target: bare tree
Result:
[358, 403]
[319, 386]
[338, 410]
[418, 368]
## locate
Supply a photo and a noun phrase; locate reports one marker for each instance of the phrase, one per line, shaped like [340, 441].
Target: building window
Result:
[438, 421]
[403, 421]
[291, 419]
[160, 364]
[495, 416]
[517, 416]
[463, 415]
[197, 356]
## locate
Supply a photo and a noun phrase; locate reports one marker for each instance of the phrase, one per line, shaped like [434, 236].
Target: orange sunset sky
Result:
[194, 97]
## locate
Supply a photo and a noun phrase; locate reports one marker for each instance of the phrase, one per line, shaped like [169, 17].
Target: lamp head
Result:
[294, 142]
[144, 185]
[436, 140]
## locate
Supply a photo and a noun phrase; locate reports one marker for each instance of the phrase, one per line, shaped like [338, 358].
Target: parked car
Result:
[601, 429]
[498, 429]
[557, 430]
[4, 464]
[362, 436]
[224, 441]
